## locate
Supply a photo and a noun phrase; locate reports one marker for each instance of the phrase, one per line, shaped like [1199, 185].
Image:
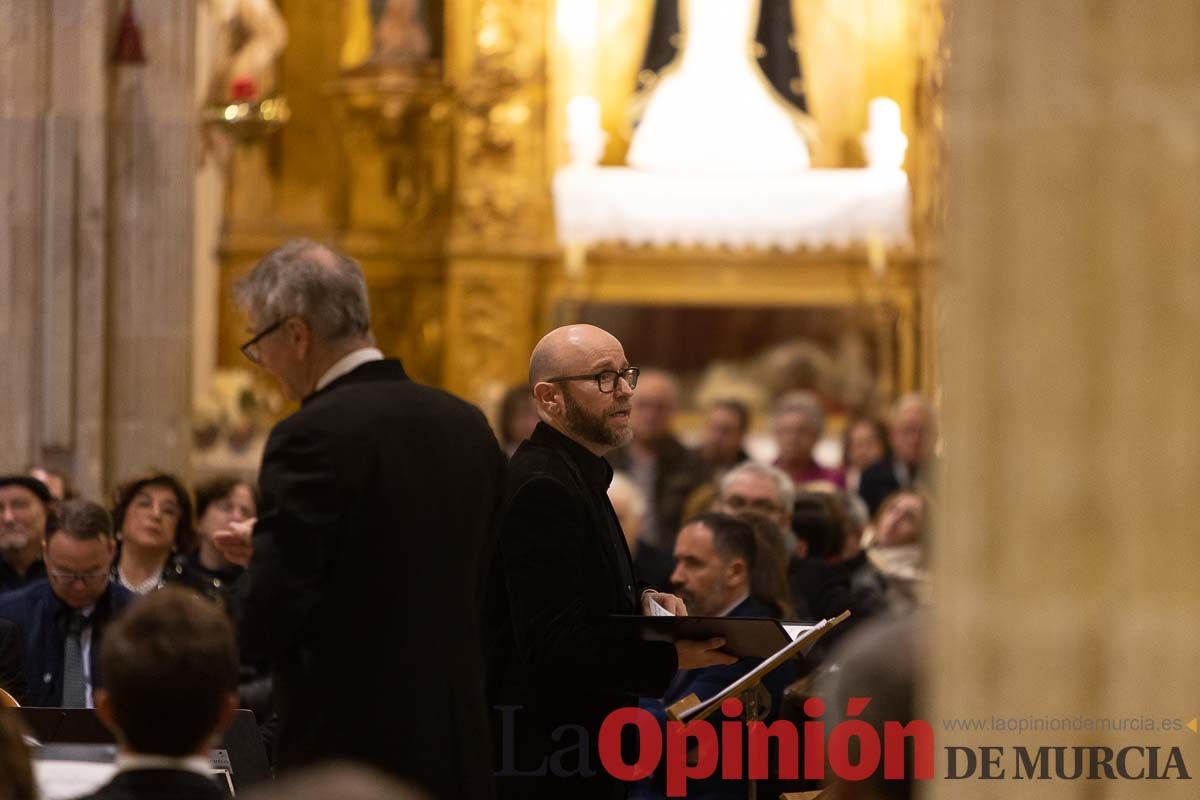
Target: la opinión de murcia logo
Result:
[852, 750]
[741, 751]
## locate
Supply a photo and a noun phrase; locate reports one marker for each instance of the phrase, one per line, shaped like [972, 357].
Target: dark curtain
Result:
[775, 36]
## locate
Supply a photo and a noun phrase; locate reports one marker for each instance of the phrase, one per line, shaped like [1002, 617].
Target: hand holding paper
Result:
[661, 604]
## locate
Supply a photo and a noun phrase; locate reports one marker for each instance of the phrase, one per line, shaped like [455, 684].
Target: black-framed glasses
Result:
[250, 348]
[606, 381]
[67, 578]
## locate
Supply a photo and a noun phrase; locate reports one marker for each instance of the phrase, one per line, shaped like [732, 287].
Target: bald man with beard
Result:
[555, 669]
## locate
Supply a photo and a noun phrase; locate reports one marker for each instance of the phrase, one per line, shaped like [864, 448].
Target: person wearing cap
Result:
[24, 503]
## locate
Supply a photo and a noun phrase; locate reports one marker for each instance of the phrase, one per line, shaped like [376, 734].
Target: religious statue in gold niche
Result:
[390, 34]
[720, 89]
[242, 40]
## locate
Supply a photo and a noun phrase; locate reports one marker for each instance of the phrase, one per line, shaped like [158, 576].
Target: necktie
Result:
[74, 681]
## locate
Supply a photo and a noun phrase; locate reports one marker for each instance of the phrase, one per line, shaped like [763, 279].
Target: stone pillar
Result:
[53, 165]
[153, 147]
[1066, 545]
[23, 77]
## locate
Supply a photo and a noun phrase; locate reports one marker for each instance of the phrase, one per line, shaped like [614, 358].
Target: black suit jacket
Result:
[561, 569]
[157, 784]
[877, 482]
[377, 499]
[12, 664]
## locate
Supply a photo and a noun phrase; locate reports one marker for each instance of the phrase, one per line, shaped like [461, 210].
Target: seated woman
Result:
[153, 518]
[219, 501]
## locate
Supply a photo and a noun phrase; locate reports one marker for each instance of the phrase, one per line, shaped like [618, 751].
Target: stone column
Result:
[1066, 545]
[153, 147]
[53, 165]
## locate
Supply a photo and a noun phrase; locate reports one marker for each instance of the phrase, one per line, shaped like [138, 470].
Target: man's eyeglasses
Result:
[250, 348]
[67, 578]
[606, 381]
[736, 503]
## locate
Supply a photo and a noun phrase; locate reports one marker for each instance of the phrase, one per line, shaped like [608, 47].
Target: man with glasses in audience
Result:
[24, 504]
[63, 619]
[556, 668]
[751, 486]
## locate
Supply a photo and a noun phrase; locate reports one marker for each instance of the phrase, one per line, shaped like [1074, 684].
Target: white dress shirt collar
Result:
[130, 761]
[348, 363]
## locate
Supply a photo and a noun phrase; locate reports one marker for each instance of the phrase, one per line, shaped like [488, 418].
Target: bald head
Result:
[597, 419]
[568, 351]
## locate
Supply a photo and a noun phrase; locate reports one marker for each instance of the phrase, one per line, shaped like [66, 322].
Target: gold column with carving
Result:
[500, 235]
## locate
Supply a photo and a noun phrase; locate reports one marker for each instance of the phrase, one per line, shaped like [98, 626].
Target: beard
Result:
[13, 540]
[594, 428]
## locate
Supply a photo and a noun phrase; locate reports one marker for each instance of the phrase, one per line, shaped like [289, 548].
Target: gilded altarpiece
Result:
[439, 183]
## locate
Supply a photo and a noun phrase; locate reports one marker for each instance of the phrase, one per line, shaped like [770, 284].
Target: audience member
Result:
[715, 563]
[895, 552]
[153, 515]
[16, 766]
[518, 417]
[220, 501]
[651, 566]
[205, 569]
[170, 667]
[883, 661]
[12, 662]
[24, 505]
[764, 489]
[664, 470]
[798, 423]
[910, 435]
[722, 444]
[818, 577]
[56, 481]
[63, 619]
[864, 442]
[768, 578]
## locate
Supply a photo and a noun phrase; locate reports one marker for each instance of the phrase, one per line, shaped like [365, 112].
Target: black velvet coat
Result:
[378, 497]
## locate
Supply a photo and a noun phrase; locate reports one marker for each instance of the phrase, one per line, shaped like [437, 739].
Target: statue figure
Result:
[711, 107]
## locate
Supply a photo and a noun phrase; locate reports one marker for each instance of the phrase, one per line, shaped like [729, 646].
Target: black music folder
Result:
[745, 637]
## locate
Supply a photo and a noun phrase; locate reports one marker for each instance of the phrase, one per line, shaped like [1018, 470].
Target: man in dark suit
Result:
[377, 498]
[555, 667]
[63, 620]
[715, 558]
[911, 435]
[171, 669]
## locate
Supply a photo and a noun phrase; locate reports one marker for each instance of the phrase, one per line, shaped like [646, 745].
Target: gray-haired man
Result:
[362, 588]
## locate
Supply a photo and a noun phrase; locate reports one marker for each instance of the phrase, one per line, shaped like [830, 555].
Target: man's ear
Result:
[736, 572]
[545, 394]
[299, 335]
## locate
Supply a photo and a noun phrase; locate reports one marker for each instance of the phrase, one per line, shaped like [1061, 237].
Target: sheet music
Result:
[656, 609]
[796, 630]
[61, 780]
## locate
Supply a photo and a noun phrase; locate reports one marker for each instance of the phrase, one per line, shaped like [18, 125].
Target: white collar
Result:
[348, 363]
[131, 761]
[741, 599]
